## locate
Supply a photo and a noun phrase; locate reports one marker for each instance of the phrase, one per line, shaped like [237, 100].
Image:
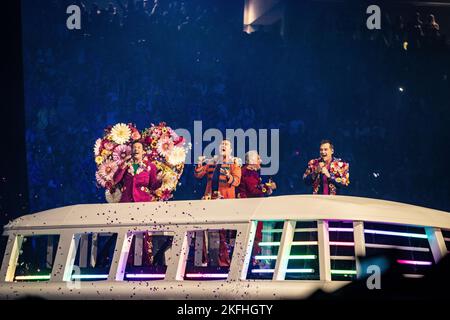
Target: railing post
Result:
[84, 242]
[176, 264]
[65, 257]
[437, 243]
[94, 249]
[120, 257]
[138, 248]
[324, 250]
[360, 244]
[198, 254]
[284, 250]
[10, 258]
[249, 240]
[242, 251]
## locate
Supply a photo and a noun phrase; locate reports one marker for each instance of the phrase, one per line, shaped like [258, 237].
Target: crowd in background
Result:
[381, 103]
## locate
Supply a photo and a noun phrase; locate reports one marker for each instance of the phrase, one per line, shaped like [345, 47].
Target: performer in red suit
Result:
[327, 173]
[251, 186]
[138, 177]
[139, 180]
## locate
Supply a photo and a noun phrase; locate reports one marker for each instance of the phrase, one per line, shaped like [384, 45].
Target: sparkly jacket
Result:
[138, 182]
[226, 187]
[339, 172]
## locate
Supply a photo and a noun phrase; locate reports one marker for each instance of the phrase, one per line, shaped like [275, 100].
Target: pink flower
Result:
[109, 146]
[120, 153]
[100, 180]
[135, 135]
[165, 146]
[107, 170]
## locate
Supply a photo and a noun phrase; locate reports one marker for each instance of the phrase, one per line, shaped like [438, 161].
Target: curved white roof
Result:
[293, 207]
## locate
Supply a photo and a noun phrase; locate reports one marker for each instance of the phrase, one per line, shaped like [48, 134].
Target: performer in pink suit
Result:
[138, 177]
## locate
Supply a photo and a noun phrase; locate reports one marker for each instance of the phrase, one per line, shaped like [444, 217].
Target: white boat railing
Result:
[186, 220]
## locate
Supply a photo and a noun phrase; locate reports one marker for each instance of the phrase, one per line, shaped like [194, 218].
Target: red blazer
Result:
[140, 186]
[250, 186]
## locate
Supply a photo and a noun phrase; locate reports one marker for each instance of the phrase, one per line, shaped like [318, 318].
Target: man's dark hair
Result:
[327, 141]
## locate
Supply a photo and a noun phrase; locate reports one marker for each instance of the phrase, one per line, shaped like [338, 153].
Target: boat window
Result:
[409, 243]
[147, 258]
[342, 251]
[210, 254]
[36, 257]
[265, 249]
[303, 263]
[94, 255]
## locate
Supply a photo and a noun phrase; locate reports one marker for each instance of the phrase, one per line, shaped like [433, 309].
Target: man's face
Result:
[225, 148]
[325, 151]
[257, 163]
[138, 151]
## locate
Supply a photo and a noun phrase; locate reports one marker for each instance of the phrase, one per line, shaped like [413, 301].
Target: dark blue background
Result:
[325, 79]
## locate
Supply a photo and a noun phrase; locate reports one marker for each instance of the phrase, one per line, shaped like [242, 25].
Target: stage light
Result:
[401, 89]
[405, 45]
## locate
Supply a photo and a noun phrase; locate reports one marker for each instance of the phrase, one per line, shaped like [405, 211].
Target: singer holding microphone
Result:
[327, 173]
[138, 176]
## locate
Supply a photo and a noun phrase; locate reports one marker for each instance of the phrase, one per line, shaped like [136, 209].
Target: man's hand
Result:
[326, 172]
[200, 160]
[226, 172]
[124, 163]
[319, 167]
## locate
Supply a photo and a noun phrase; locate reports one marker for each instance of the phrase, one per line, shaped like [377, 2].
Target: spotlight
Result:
[405, 45]
[401, 89]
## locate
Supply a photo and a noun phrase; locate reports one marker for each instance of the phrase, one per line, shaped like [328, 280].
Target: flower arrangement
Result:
[110, 152]
[162, 145]
[167, 150]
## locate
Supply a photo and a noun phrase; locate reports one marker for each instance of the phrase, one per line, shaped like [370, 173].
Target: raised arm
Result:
[310, 173]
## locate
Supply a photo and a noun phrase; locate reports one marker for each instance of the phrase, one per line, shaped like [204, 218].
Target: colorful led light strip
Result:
[37, 277]
[293, 257]
[263, 270]
[407, 275]
[388, 246]
[287, 270]
[294, 243]
[207, 275]
[415, 263]
[387, 233]
[144, 276]
[342, 258]
[398, 234]
[296, 230]
[343, 271]
[89, 276]
[299, 270]
[342, 244]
